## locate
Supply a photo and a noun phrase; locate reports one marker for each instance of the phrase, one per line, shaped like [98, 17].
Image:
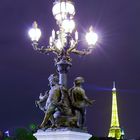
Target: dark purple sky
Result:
[24, 73]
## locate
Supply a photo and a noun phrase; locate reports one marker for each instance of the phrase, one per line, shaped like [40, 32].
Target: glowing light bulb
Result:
[76, 35]
[35, 32]
[61, 10]
[53, 34]
[59, 44]
[68, 25]
[50, 41]
[91, 37]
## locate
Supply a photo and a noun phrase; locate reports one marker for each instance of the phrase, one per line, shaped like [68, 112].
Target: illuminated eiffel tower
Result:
[115, 130]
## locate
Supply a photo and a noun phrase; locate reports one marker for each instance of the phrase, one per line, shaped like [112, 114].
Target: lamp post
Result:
[63, 108]
[64, 41]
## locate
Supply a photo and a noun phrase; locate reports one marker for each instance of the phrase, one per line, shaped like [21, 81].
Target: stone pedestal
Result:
[61, 135]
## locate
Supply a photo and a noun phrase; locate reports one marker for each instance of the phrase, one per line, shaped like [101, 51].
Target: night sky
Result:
[24, 72]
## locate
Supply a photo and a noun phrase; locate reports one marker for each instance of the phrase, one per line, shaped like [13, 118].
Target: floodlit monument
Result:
[115, 131]
[64, 109]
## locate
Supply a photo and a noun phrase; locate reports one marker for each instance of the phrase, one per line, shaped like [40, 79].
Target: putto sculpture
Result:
[79, 101]
[63, 107]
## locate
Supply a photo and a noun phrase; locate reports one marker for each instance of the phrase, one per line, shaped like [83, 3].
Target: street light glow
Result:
[60, 10]
[63, 41]
[68, 25]
[76, 35]
[91, 37]
[35, 32]
[59, 45]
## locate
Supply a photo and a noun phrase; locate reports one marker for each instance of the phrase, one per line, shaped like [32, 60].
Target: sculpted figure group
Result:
[63, 107]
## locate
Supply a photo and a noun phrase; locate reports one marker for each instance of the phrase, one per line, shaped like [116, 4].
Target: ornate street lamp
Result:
[64, 41]
[64, 108]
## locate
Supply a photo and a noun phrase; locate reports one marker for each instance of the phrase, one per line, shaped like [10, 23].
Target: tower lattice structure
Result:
[115, 130]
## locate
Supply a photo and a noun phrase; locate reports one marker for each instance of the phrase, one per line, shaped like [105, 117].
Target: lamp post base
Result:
[61, 135]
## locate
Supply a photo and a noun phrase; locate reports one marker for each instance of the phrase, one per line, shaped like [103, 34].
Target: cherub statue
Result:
[57, 108]
[79, 100]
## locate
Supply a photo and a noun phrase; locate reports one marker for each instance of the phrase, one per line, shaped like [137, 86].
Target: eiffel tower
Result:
[115, 130]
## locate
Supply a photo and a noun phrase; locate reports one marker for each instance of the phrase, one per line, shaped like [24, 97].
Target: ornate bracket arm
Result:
[73, 47]
[45, 50]
[83, 52]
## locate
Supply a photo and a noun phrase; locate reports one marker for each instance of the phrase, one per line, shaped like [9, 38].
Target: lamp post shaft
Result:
[62, 67]
[63, 79]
